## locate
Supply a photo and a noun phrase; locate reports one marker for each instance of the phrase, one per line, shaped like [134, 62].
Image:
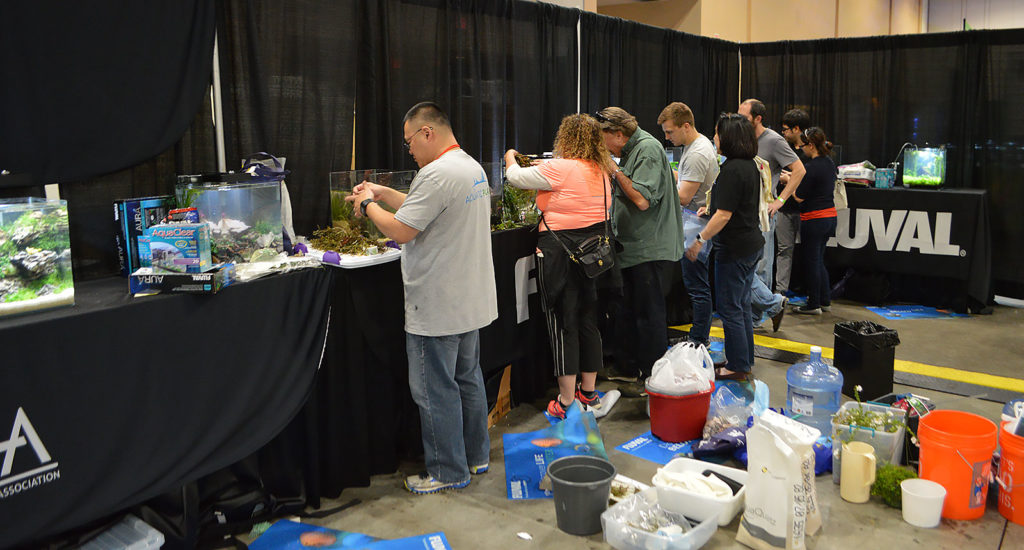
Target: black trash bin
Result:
[864, 353]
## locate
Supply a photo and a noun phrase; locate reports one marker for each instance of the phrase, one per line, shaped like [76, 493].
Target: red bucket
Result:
[677, 418]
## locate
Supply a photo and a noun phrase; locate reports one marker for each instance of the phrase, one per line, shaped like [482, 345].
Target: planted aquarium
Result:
[495, 179]
[348, 233]
[244, 218]
[518, 207]
[924, 167]
[35, 255]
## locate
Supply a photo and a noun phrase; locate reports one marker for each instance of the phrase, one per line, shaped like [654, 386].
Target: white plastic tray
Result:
[701, 507]
[621, 536]
[351, 261]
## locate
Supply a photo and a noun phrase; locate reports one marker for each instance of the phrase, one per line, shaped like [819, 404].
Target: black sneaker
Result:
[807, 310]
[777, 318]
[633, 389]
[612, 372]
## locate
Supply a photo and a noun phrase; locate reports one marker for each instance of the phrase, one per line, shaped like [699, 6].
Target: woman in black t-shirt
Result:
[817, 219]
[734, 220]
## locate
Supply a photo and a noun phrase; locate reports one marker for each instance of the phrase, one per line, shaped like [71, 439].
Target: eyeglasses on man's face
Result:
[407, 142]
[786, 128]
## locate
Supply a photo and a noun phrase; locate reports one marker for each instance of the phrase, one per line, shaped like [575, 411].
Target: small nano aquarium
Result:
[244, 218]
[495, 179]
[925, 167]
[35, 255]
[342, 183]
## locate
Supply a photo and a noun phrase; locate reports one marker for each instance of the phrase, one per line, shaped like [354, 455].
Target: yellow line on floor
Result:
[908, 367]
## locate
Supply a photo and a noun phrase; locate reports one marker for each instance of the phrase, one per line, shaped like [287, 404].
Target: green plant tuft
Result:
[887, 483]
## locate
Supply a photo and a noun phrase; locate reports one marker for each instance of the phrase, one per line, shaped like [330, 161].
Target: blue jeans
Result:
[695, 277]
[814, 235]
[766, 263]
[448, 387]
[733, 281]
[763, 301]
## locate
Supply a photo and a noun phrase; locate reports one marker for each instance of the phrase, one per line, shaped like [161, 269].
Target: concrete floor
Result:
[480, 516]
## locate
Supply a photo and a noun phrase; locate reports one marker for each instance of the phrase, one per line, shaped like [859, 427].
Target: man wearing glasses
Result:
[444, 223]
[648, 222]
[787, 225]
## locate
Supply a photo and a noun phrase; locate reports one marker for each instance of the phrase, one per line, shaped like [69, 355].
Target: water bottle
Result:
[813, 392]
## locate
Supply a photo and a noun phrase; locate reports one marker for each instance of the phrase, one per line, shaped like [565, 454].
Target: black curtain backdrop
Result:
[871, 95]
[643, 68]
[505, 71]
[288, 80]
[91, 88]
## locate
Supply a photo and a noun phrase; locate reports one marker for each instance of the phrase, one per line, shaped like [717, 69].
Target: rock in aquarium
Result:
[35, 256]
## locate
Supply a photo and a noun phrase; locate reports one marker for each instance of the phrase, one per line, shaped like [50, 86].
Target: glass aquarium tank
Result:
[348, 233]
[244, 218]
[495, 173]
[924, 167]
[35, 255]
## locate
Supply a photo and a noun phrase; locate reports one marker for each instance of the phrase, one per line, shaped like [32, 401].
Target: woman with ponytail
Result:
[817, 218]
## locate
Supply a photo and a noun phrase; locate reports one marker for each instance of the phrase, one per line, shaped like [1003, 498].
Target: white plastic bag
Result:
[685, 369]
[781, 506]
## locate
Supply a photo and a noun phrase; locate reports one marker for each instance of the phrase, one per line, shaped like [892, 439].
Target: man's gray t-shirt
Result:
[447, 268]
[774, 148]
[699, 163]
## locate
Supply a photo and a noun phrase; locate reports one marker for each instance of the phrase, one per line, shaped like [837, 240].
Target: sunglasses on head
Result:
[600, 118]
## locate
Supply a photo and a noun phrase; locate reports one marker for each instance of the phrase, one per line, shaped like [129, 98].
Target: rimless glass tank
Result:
[341, 186]
[35, 255]
[244, 218]
[925, 167]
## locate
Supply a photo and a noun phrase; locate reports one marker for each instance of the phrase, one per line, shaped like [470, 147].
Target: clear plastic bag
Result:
[639, 523]
[727, 410]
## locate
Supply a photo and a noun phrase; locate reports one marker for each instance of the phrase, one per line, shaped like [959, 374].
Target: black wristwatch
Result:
[362, 205]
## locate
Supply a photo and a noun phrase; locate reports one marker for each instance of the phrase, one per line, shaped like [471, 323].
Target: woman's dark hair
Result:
[817, 138]
[736, 138]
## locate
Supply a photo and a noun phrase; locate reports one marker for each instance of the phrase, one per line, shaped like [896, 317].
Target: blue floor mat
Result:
[649, 447]
[914, 312]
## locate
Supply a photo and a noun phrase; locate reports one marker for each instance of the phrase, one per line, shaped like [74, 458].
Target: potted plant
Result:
[880, 426]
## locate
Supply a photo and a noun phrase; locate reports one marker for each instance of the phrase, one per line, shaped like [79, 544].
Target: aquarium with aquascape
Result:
[244, 218]
[351, 234]
[35, 255]
[924, 167]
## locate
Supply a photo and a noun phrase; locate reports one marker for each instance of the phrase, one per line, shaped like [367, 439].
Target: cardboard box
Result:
[147, 280]
[180, 247]
[131, 219]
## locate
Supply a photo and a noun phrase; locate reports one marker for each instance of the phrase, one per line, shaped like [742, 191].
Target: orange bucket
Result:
[956, 452]
[1011, 476]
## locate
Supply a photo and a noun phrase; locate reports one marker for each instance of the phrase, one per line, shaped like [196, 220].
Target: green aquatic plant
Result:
[262, 227]
[887, 483]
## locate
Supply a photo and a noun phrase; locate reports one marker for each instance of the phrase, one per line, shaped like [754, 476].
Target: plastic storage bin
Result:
[696, 506]
[621, 535]
[888, 446]
[131, 533]
[35, 256]
[243, 217]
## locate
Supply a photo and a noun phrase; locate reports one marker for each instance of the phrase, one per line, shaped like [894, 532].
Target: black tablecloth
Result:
[119, 399]
[925, 233]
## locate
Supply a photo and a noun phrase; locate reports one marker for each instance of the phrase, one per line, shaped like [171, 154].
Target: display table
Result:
[927, 233]
[120, 399]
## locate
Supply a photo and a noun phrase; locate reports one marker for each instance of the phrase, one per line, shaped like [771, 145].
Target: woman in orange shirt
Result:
[573, 193]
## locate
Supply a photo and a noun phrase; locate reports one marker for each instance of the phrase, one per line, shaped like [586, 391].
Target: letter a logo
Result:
[21, 433]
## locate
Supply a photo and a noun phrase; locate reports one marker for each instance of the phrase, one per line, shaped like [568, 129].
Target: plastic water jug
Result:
[813, 392]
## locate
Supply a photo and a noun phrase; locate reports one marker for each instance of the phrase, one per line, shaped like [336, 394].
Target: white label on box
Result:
[803, 404]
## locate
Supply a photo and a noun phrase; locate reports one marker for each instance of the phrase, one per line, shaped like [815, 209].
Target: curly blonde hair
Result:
[579, 137]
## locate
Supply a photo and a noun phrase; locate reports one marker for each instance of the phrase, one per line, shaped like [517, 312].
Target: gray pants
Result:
[787, 233]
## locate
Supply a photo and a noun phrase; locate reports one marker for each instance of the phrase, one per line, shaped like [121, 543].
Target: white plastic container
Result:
[622, 536]
[888, 446]
[131, 533]
[696, 506]
[922, 502]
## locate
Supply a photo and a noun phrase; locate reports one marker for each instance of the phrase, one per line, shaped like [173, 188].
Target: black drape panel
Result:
[288, 80]
[643, 68]
[90, 88]
[871, 95]
[505, 71]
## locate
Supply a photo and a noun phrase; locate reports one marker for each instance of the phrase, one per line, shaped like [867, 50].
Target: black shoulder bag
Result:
[595, 253]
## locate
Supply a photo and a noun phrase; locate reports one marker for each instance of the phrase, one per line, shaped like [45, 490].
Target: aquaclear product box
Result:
[131, 219]
[180, 247]
[35, 255]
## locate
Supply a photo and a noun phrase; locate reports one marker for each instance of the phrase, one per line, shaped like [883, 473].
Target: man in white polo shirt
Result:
[447, 271]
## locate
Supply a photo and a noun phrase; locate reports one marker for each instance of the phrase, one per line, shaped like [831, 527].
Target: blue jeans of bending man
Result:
[448, 386]
[763, 302]
[733, 281]
[695, 277]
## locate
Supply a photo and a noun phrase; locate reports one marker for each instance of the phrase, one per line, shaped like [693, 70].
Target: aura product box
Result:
[148, 279]
[180, 247]
[131, 219]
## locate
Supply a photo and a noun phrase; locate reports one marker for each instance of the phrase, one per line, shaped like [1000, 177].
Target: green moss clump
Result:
[887, 483]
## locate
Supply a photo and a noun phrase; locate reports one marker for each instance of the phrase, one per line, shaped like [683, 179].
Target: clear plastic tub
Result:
[131, 533]
[696, 506]
[619, 524]
[888, 446]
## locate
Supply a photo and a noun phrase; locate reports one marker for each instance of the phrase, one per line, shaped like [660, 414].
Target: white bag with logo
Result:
[781, 502]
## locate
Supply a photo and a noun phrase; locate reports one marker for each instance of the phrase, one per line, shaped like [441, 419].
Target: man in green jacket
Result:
[648, 223]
